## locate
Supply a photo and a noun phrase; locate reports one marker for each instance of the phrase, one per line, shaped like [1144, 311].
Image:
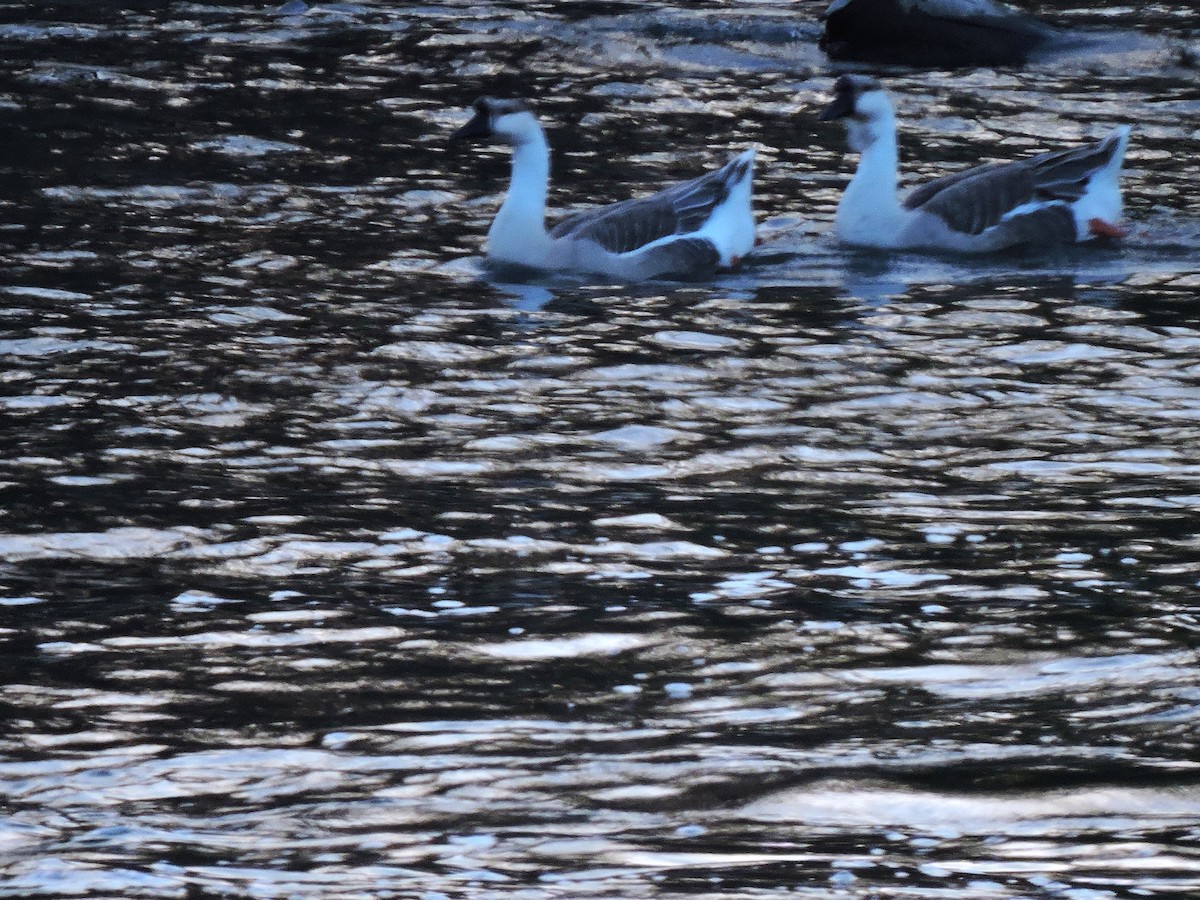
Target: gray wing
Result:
[970, 202]
[1052, 223]
[680, 209]
[688, 256]
[1064, 174]
[973, 201]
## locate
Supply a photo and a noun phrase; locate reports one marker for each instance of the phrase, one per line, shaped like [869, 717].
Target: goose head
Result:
[506, 121]
[862, 104]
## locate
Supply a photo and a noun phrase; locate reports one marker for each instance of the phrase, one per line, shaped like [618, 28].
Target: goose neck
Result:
[530, 183]
[877, 177]
[518, 233]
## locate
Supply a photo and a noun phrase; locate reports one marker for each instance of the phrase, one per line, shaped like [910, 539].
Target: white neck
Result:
[869, 211]
[518, 233]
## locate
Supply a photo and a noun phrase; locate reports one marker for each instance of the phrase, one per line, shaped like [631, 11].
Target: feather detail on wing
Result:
[973, 201]
[1045, 224]
[681, 209]
[686, 256]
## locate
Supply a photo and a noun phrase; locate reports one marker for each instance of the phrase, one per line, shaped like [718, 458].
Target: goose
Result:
[932, 33]
[1052, 198]
[691, 229]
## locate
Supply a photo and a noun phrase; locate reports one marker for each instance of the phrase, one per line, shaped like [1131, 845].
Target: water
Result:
[337, 566]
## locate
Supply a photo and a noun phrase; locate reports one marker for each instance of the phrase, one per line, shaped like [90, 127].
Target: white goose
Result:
[690, 229]
[1052, 198]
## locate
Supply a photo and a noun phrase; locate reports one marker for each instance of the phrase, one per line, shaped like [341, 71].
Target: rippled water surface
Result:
[337, 566]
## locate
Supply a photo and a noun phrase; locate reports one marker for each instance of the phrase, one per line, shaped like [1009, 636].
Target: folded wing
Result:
[985, 197]
[679, 210]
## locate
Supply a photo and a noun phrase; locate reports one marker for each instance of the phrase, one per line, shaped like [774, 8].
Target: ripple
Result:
[562, 648]
[338, 563]
[114, 544]
[868, 805]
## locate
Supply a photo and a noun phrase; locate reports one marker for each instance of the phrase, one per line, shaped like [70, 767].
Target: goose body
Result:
[1060, 197]
[938, 33]
[690, 229]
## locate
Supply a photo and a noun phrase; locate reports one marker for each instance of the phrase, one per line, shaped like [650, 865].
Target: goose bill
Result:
[477, 128]
[841, 107]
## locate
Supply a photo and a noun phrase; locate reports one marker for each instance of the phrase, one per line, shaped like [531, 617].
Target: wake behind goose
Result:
[691, 229]
[1060, 197]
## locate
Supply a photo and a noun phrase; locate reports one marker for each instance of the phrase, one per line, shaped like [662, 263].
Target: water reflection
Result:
[336, 565]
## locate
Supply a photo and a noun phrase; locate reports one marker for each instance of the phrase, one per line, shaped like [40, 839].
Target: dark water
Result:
[335, 566]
